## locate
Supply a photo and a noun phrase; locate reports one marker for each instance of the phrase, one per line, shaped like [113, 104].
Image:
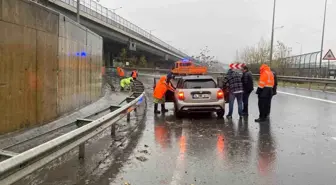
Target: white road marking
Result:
[308, 97]
[180, 162]
[334, 138]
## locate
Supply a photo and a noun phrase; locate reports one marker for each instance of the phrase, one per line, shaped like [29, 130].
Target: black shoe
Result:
[156, 111]
[163, 108]
[229, 117]
[260, 120]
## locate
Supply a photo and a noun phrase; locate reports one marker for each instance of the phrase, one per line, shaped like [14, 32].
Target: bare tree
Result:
[205, 59]
[259, 54]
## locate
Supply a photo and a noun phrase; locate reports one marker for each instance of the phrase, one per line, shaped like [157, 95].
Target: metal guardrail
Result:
[310, 81]
[109, 17]
[25, 163]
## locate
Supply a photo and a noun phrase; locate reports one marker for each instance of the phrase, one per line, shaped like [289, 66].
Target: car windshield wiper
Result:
[197, 87]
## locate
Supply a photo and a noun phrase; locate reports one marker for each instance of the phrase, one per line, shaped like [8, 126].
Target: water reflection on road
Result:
[204, 150]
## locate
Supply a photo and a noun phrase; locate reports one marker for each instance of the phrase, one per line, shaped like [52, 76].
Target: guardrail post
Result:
[129, 99]
[81, 151]
[309, 87]
[325, 86]
[113, 130]
[128, 117]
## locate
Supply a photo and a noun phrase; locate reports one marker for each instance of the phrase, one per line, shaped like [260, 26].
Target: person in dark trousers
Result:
[265, 92]
[159, 94]
[274, 91]
[235, 84]
[247, 81]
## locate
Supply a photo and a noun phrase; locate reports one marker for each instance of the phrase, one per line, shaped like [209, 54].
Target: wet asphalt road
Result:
[297, 146]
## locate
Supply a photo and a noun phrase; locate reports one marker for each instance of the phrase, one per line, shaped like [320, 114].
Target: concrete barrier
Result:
[49, 65]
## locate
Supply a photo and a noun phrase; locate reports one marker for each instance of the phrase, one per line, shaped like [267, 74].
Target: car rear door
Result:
[220, 82]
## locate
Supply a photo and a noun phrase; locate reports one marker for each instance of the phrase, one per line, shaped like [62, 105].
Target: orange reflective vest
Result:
[120, 71]
[161, 88]
[266, 77]
[134, 74]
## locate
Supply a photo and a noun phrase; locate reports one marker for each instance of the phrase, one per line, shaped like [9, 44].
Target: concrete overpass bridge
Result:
[117, 32]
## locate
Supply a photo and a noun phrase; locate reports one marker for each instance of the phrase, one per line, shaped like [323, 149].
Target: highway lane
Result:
[297, 146]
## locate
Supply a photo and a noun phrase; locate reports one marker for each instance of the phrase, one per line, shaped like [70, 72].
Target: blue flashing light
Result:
[185, 60]
[77, 54]
[140, 100]
[83, 54]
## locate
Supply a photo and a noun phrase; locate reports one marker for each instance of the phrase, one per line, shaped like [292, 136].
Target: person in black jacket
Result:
[274, 90]
[247, 81]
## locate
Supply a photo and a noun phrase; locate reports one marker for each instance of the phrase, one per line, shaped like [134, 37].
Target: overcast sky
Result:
[227, 25]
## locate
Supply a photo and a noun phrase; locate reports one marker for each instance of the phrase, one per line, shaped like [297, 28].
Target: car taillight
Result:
[220, 94]
[180, 95]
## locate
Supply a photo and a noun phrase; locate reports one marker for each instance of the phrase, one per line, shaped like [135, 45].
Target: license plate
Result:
[201, 96]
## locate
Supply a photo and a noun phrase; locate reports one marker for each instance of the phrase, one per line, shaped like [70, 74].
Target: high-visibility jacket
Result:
[266, 77]
[161, 88]
[134, 74]
[266, 82]
[121, 72]
[126, 82]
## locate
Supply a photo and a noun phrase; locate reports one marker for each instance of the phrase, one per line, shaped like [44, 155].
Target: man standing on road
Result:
[247, 81]
[134, 74]
[120, 72]
[159, 93]
[265, 92]
[274, 91]
[236, 91]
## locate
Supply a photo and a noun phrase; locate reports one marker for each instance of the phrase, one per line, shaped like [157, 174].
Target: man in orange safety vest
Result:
[159, 93]
[134, 74]
[120, 72]
[265, 92]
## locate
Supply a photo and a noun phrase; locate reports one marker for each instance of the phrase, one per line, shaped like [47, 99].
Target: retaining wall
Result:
[49, 65]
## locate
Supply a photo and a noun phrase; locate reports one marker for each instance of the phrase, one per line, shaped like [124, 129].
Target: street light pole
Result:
[323, 28]
[300, 47]
[78, 11]
[116, 9]
[150, 33]
[272, 37]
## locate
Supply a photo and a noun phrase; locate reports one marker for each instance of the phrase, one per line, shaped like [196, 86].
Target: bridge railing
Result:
[109, 17]
[21, 165]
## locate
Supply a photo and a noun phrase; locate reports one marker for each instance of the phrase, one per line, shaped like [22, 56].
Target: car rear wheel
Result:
[220, 114]
[178, 114]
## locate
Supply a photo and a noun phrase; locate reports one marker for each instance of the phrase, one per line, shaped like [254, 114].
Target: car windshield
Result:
[199, 84]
